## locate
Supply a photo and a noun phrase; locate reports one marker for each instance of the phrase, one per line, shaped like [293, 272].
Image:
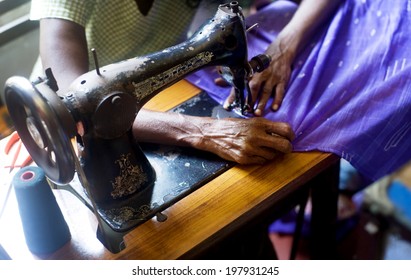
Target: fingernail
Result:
[275, 107]
[257, 112]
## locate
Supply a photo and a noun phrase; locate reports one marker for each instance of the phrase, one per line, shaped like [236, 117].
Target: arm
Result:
[63, 47]
[295, 35]
[245, 141]
[306, 20]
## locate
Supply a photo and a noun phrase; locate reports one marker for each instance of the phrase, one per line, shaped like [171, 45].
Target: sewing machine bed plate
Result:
[179, 171]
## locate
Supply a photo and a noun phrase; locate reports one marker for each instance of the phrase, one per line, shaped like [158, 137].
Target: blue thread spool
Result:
[44, 227]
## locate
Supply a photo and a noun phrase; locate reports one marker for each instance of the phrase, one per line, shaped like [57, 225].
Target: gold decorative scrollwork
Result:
[130, 178]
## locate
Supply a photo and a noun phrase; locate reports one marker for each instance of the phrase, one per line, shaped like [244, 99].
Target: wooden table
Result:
[240, 198]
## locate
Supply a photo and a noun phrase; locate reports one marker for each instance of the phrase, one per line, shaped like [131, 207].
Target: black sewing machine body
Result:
[99, 108]
[107, 103]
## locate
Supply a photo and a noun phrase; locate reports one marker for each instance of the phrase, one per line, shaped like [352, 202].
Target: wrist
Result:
[284, 47]
[195, 132]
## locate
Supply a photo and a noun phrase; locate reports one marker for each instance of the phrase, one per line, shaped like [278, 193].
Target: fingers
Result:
[280, 129]
[265, 137]
[259, 153]
[259, 159]
[248, 141]
[265, 96]
[229, 100]
[245, 160]
[280, 144]
[279, 96]
[263, 91]
[252, 155]
[221, 82]
[276, 136]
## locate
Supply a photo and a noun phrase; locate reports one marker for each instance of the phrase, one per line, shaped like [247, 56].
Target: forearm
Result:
[310, 15]
[244, 141]
[168, 128]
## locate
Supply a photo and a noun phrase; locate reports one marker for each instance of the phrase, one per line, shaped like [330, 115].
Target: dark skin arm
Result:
[244, 141]
[63, 48]
[283, 50]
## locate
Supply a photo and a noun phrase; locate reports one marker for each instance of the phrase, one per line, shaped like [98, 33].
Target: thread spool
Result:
[44, 227]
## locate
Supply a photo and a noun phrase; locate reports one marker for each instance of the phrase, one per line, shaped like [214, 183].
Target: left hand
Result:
[270, 82]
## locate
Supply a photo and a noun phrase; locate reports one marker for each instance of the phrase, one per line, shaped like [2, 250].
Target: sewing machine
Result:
[98, 109]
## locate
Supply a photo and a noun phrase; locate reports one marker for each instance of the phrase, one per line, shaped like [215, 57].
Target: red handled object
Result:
[17, 153]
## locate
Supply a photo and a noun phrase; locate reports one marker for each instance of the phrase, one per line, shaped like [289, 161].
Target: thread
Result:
[44, 227]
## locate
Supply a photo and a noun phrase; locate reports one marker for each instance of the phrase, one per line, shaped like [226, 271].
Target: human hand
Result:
[246, 141]
[270, 82]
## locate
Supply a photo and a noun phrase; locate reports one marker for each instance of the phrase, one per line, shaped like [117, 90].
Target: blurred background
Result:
[19, 47]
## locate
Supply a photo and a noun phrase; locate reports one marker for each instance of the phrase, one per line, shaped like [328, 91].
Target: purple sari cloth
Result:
[350, 88]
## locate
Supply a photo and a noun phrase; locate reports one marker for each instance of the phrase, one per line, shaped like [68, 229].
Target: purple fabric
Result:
[349, 92]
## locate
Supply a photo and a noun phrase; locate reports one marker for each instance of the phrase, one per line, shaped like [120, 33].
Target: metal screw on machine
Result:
[51, 81]
[161, 217]
[93, 50]
[234, 7]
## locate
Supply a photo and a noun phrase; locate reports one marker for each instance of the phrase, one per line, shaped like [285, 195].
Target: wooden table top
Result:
[232, 199]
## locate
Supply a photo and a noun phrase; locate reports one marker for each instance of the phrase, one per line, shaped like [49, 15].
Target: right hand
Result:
[270, 82]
